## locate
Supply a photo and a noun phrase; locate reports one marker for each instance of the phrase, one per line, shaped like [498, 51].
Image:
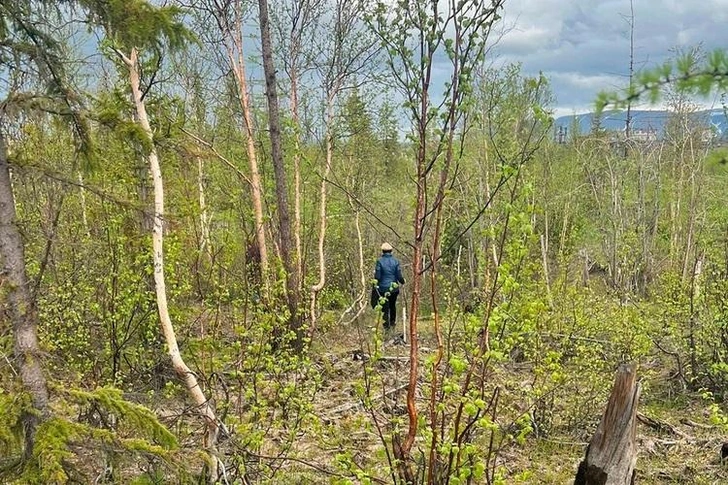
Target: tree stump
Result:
[612, 454]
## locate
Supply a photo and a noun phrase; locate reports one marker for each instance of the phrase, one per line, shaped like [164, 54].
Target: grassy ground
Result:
[676, 438]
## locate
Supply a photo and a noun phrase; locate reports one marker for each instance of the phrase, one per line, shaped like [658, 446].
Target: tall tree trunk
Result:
[22, 308]
[237, 62]
[296, 174]
[545, 263]
[617, 226]
[628, 120]
[436, 249]
[419, 230]
[434, 382]
[692, 216]
[675, 209]
[205, 244]
[84, 211]
[297, 25]
[183, 372]
[279, 169]
[315, 289]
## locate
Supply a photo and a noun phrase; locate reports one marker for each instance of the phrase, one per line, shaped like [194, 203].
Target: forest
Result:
[193, 197]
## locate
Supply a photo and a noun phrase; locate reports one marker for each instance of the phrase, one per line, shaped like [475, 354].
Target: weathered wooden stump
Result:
[612, 454]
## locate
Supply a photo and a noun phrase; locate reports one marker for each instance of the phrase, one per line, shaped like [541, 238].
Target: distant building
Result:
[643, 135]
[646, 126]
[561, 134]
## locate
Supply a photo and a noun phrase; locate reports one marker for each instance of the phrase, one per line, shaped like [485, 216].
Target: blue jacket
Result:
[387, 272]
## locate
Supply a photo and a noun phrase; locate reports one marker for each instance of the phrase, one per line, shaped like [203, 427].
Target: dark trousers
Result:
[389, 310]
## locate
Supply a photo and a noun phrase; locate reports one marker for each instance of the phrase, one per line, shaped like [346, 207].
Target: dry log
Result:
[334, 413]
[662, 426]
[612, 453]
[693, 424]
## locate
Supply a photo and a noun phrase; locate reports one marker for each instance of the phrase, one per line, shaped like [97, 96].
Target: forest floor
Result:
[677, 441]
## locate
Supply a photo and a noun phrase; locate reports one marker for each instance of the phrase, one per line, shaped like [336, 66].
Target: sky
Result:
[582, 46]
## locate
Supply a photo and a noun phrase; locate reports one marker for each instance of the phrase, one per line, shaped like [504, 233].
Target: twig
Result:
[576, 337]
[368, 210]
[49, 245]
[566, 443]
[394, 359]
[315, 466]
[12, 368]
[218, 155]
[346, 407]
[667, 442]
[678, 361]
[59, 177]
[221, 465]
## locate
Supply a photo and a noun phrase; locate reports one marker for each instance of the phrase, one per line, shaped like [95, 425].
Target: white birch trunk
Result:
[297, 228]
[315, 289]
[204, 216]
[84, 213]
[184, 373]
[360, 303]
[237, 63]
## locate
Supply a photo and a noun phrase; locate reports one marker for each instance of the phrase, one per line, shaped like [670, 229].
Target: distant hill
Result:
[643, 121]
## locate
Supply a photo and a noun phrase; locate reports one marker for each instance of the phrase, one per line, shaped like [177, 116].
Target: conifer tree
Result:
[32, 63]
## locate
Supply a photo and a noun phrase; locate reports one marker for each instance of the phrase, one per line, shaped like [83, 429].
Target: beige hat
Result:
[386, 246]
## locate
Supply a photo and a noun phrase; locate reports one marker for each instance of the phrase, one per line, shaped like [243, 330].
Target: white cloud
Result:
[578, 80]
[583, 45]
[528, 39]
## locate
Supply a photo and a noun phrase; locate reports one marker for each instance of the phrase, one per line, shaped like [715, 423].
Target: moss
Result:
[52, 451]
[142, 446]
[56, 457]
[138, 419]
[11, 409]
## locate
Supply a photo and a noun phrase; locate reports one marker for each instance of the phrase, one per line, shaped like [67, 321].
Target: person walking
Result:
[388, 276]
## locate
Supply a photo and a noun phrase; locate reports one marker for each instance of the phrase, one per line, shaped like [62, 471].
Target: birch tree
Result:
[347, 52]
[154, 29]
[414, 36]
[297, 23]
[229, 18]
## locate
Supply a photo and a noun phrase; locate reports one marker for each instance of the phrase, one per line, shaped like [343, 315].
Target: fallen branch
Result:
[349, 406]
[358, 303]
[220, 157]
[662, 426]
[693, 424]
